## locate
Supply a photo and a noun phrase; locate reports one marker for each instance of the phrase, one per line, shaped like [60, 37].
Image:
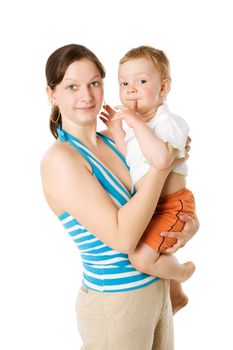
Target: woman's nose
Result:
[85, 95]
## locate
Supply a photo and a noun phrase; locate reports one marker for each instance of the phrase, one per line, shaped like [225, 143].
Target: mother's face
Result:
[79, 96]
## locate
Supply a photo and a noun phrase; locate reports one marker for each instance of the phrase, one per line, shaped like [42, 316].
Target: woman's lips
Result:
[85, 109]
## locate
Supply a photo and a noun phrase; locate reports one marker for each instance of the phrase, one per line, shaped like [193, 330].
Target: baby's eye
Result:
[142, 81]
[72, 87]
[95, 84]
[124, 83]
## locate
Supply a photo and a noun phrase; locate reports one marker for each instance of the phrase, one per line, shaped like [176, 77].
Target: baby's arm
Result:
[157, 152]
[114, 127]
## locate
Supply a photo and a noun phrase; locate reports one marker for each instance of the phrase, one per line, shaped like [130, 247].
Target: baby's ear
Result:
[165, 87]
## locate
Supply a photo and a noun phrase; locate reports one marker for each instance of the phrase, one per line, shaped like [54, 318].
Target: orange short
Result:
[165, 218]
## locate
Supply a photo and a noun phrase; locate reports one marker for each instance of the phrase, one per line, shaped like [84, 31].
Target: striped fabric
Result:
[104, 269]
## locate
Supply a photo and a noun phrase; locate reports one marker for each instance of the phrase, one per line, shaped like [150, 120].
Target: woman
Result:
[87, 185]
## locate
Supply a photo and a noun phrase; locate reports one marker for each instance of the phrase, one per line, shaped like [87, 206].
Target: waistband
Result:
[176, 195]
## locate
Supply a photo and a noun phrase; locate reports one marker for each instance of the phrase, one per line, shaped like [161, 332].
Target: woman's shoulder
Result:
[55, 151]
[58, 154]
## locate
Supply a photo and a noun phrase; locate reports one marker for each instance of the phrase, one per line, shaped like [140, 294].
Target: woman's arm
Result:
[69, 185]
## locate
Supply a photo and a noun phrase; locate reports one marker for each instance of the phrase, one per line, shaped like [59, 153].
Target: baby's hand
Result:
[130, 116]
[107, 117]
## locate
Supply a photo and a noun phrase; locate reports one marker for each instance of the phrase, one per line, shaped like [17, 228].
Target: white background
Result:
[39, 265]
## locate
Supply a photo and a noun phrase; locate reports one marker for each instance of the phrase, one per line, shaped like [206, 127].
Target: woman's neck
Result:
[85, 133]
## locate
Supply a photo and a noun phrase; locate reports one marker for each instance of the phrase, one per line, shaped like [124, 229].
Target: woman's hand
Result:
[114, 127]
[107, 117]
[190, 228]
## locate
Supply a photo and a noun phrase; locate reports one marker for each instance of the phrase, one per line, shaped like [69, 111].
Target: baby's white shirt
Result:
[170, 128]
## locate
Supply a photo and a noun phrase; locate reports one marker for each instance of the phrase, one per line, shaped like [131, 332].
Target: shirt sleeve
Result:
[174, 130]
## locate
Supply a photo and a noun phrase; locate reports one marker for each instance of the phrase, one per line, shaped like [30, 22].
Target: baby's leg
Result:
[178, 298]
[149, 261]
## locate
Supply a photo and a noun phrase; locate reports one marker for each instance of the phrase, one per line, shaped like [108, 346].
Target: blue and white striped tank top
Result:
[104, 269]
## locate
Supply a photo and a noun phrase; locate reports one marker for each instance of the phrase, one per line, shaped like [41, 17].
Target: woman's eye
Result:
[95, 84]
[72, 87]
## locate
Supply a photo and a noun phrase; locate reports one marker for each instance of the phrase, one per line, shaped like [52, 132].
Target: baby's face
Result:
[140, 85]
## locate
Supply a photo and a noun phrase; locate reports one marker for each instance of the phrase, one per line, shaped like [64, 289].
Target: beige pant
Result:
[136, 320]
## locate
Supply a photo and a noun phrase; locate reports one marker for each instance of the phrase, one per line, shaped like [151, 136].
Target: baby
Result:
[144, 80]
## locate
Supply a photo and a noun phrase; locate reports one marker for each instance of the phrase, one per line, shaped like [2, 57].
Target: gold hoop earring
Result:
[51, 115]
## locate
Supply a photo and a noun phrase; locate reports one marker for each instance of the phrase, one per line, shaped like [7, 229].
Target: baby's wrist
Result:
[136, 123]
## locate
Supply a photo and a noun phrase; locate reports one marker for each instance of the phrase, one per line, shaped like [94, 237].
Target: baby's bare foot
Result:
[178, 302]
[189, 269]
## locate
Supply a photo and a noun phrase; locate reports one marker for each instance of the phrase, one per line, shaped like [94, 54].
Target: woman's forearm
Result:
[134, 216]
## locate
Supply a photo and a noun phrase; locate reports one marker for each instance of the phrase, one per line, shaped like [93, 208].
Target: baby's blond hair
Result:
[157, 57]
